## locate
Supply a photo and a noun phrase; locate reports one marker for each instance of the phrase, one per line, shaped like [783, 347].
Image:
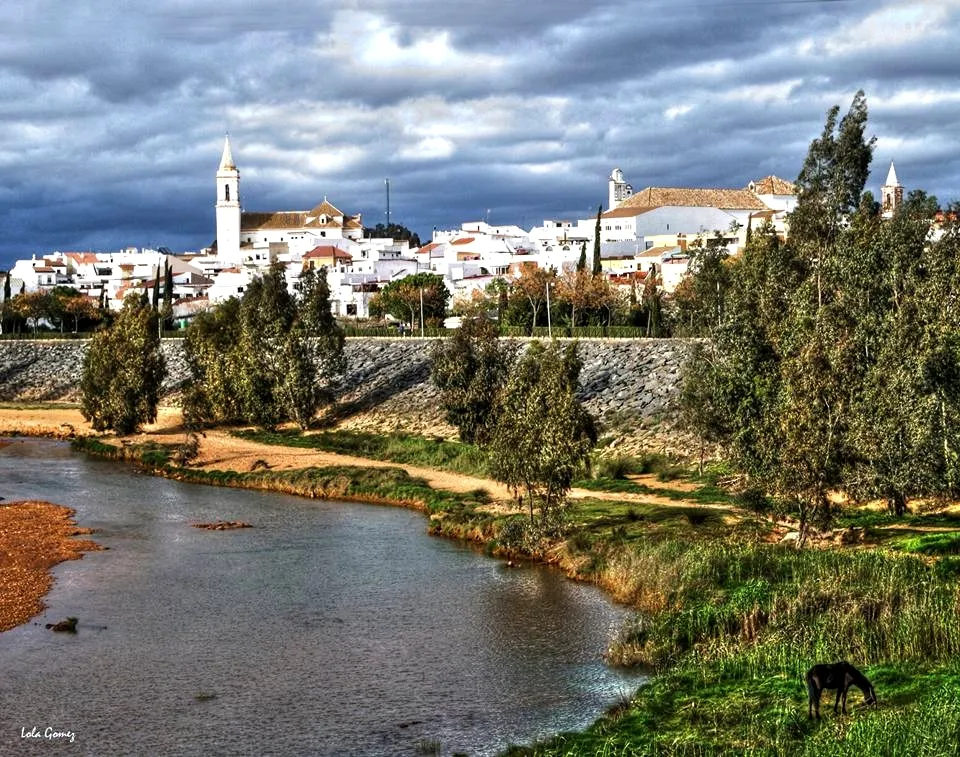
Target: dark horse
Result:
[840, 676]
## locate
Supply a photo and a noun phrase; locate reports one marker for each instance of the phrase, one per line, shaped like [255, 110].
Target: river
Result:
[327, 629]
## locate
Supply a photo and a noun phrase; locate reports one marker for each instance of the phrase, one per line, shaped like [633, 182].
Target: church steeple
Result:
[891, 193]
[228, 207]
[226, 161]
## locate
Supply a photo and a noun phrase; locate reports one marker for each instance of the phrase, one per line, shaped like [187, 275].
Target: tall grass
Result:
[732, 627]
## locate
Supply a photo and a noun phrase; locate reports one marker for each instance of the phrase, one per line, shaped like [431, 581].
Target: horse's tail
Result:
[811, 685]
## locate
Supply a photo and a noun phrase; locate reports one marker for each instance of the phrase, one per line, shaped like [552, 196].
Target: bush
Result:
[618, 467]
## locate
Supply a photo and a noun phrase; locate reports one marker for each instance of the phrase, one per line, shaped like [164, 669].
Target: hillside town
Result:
[643, 233]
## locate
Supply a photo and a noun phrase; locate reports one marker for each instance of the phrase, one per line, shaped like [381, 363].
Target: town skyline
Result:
[115, 122]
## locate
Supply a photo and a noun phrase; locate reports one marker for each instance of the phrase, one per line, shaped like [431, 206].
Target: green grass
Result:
[947, 543]
[682, 714]
[39, 405]
[731, 628]
[393, 485]
[406, 449]
[705, 495]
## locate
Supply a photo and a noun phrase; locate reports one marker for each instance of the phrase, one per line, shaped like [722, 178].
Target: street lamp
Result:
[421, 313]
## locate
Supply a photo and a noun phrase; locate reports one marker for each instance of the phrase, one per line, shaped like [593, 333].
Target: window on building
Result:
[226, 192]
[351, 308]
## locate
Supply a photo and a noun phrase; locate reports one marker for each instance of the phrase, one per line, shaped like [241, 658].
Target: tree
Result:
[325, 336]
[582, 262]
[5, 303]
[215, 361]
[167, 310]
[32, 306]
[701, 297]
[597, 268]
[155, 299]
[830, 185]
[652, 301]
[585, 294]
[80, 308]
[392, 231]
[532, 284]
[469, 369]
[123, 371]
[265, 359]
[402, 298]
[544, 435]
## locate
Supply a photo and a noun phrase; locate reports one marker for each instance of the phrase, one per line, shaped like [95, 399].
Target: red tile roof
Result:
[328, 251]
[772, 185]
[658, 197]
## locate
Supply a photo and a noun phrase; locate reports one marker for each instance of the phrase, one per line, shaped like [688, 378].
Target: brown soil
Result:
[34, 536]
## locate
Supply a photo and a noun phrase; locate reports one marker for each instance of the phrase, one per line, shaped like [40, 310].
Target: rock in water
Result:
[64, 626]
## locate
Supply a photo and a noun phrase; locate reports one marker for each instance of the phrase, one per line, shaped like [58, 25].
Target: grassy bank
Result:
[727, 620]
[358, 483]
[730, 627]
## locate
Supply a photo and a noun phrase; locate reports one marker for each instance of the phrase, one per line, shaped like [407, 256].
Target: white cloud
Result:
[896, 25]
[375, 46]
[675, 111]
[429, 148]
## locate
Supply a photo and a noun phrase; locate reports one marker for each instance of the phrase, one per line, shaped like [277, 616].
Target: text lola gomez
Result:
[51, 734]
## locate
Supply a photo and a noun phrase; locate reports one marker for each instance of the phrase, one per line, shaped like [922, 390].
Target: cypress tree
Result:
[167, 293]
[582, 263]
[156, 291]
[596, 243]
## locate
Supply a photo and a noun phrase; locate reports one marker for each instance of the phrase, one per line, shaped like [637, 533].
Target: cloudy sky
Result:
[114, 111]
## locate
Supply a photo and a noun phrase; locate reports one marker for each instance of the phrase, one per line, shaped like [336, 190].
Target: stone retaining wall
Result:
[632, 386]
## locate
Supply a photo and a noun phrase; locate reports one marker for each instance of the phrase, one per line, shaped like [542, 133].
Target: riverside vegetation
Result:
[831, 380]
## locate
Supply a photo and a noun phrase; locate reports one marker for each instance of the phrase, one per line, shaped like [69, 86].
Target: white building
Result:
[891, 193]
[259, 239]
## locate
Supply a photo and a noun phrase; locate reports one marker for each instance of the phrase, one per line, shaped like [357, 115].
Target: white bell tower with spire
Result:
[617, 189]
[891, 193]
[228, 207]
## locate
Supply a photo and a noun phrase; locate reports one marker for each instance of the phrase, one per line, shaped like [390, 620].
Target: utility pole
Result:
[387, 182]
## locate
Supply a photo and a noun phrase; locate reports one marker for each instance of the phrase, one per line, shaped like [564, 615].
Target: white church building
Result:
[259, 238]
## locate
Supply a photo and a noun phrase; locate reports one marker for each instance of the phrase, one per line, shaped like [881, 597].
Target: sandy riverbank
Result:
[219, 450]
[34, 536]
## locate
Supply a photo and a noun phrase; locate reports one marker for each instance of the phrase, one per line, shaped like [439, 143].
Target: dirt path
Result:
[221, 451]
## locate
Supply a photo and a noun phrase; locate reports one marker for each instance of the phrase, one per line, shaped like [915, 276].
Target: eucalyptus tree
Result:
[470, 368]
[266, 358]
[123, 371]
[544, 435]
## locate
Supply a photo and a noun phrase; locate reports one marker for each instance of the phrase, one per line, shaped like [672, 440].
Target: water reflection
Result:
[328, 628]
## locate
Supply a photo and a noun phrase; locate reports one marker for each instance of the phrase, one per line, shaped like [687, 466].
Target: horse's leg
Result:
[837, 703]
[844, 700]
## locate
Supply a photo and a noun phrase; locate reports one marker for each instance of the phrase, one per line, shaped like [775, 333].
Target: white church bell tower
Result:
[228, 207]
[891, 193]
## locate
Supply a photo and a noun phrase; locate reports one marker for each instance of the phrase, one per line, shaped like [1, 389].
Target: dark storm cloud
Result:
[114, 114]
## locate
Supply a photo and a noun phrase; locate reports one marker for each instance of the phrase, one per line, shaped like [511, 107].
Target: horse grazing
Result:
[840, 676]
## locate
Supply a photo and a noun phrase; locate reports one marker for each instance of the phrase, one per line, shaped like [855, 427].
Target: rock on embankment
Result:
[632, 386]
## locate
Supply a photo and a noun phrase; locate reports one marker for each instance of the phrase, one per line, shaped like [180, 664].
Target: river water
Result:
[327, 629]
